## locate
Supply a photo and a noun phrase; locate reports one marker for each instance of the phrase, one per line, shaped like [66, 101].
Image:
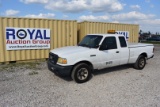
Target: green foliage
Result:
[33, 73]
[151, 42]
[27, 65]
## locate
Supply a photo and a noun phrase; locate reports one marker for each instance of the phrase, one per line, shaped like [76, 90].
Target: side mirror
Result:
[97, 46]
[103, 47]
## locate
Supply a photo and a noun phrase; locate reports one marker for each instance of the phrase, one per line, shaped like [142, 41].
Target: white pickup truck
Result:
[97, 51]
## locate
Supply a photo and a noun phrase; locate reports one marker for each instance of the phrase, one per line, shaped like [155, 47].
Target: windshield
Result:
[91, 41]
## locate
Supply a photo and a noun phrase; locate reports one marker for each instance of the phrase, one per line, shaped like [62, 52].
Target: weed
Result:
[28, 65]
[151, 42]
[33, 73]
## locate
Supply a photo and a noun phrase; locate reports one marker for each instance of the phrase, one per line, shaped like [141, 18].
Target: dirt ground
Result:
[33, 85]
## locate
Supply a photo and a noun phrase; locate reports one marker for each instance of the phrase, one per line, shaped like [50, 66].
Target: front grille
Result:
[53, 58]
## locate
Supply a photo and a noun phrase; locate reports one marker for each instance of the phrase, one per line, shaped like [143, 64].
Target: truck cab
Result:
[97, 51]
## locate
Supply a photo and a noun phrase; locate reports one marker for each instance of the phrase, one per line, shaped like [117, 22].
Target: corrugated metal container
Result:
[85, 28]
[63, 33]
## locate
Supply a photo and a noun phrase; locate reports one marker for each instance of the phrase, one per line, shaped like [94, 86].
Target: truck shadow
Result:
[111, 69]
[103, 71]
[68, 78]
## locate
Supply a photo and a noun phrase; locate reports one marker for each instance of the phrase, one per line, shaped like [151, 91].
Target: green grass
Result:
[28, 65]
[150, 42]
[33, 73]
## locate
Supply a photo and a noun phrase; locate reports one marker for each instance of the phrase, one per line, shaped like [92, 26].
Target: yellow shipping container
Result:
[62, 33]
[86, 27]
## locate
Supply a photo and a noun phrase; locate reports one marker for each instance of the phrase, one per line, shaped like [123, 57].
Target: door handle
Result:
[117, 51]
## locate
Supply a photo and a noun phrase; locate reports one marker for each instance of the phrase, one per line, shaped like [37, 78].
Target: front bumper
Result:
[59, 70]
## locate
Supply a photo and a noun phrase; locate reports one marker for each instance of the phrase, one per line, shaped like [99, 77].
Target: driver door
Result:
[109, 53]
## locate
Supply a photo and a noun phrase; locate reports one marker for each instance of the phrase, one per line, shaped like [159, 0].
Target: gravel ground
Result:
[120, 86]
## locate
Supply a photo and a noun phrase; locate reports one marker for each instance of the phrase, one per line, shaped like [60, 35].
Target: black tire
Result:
[81, 73]
[140, 63]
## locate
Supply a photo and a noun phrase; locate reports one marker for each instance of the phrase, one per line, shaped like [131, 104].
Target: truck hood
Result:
[65, 51]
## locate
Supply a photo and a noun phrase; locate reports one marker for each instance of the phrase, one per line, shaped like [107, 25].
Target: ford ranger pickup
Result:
[95, 52]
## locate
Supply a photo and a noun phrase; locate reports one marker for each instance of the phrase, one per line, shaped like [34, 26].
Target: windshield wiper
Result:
[84, 45]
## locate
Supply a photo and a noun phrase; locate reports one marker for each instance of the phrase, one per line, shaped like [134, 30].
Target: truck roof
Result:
[105, 35]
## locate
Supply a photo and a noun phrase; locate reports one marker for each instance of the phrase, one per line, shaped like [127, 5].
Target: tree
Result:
[140, 32]
[149, 33]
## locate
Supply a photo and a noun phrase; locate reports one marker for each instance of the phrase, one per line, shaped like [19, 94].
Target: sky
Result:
[143, 12]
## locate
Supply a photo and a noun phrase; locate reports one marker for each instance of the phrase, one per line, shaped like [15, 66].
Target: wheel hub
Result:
[82, 74]
[142, 63]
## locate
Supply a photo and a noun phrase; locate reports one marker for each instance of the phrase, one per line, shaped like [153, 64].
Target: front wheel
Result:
[81, 73]
[140, 63]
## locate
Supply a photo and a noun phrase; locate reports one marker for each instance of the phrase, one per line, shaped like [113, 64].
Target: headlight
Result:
[62, 60]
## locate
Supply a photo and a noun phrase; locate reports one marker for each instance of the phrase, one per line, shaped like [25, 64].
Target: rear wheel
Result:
[81, 73]
[140, 63]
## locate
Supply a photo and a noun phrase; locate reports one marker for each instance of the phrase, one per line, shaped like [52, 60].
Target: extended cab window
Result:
[109, 43]
[122, 42]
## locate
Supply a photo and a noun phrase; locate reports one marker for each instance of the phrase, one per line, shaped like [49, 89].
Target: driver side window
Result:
[109, 43]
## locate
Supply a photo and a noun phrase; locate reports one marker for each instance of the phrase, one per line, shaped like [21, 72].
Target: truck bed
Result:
[138, 48]
[134, 45]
